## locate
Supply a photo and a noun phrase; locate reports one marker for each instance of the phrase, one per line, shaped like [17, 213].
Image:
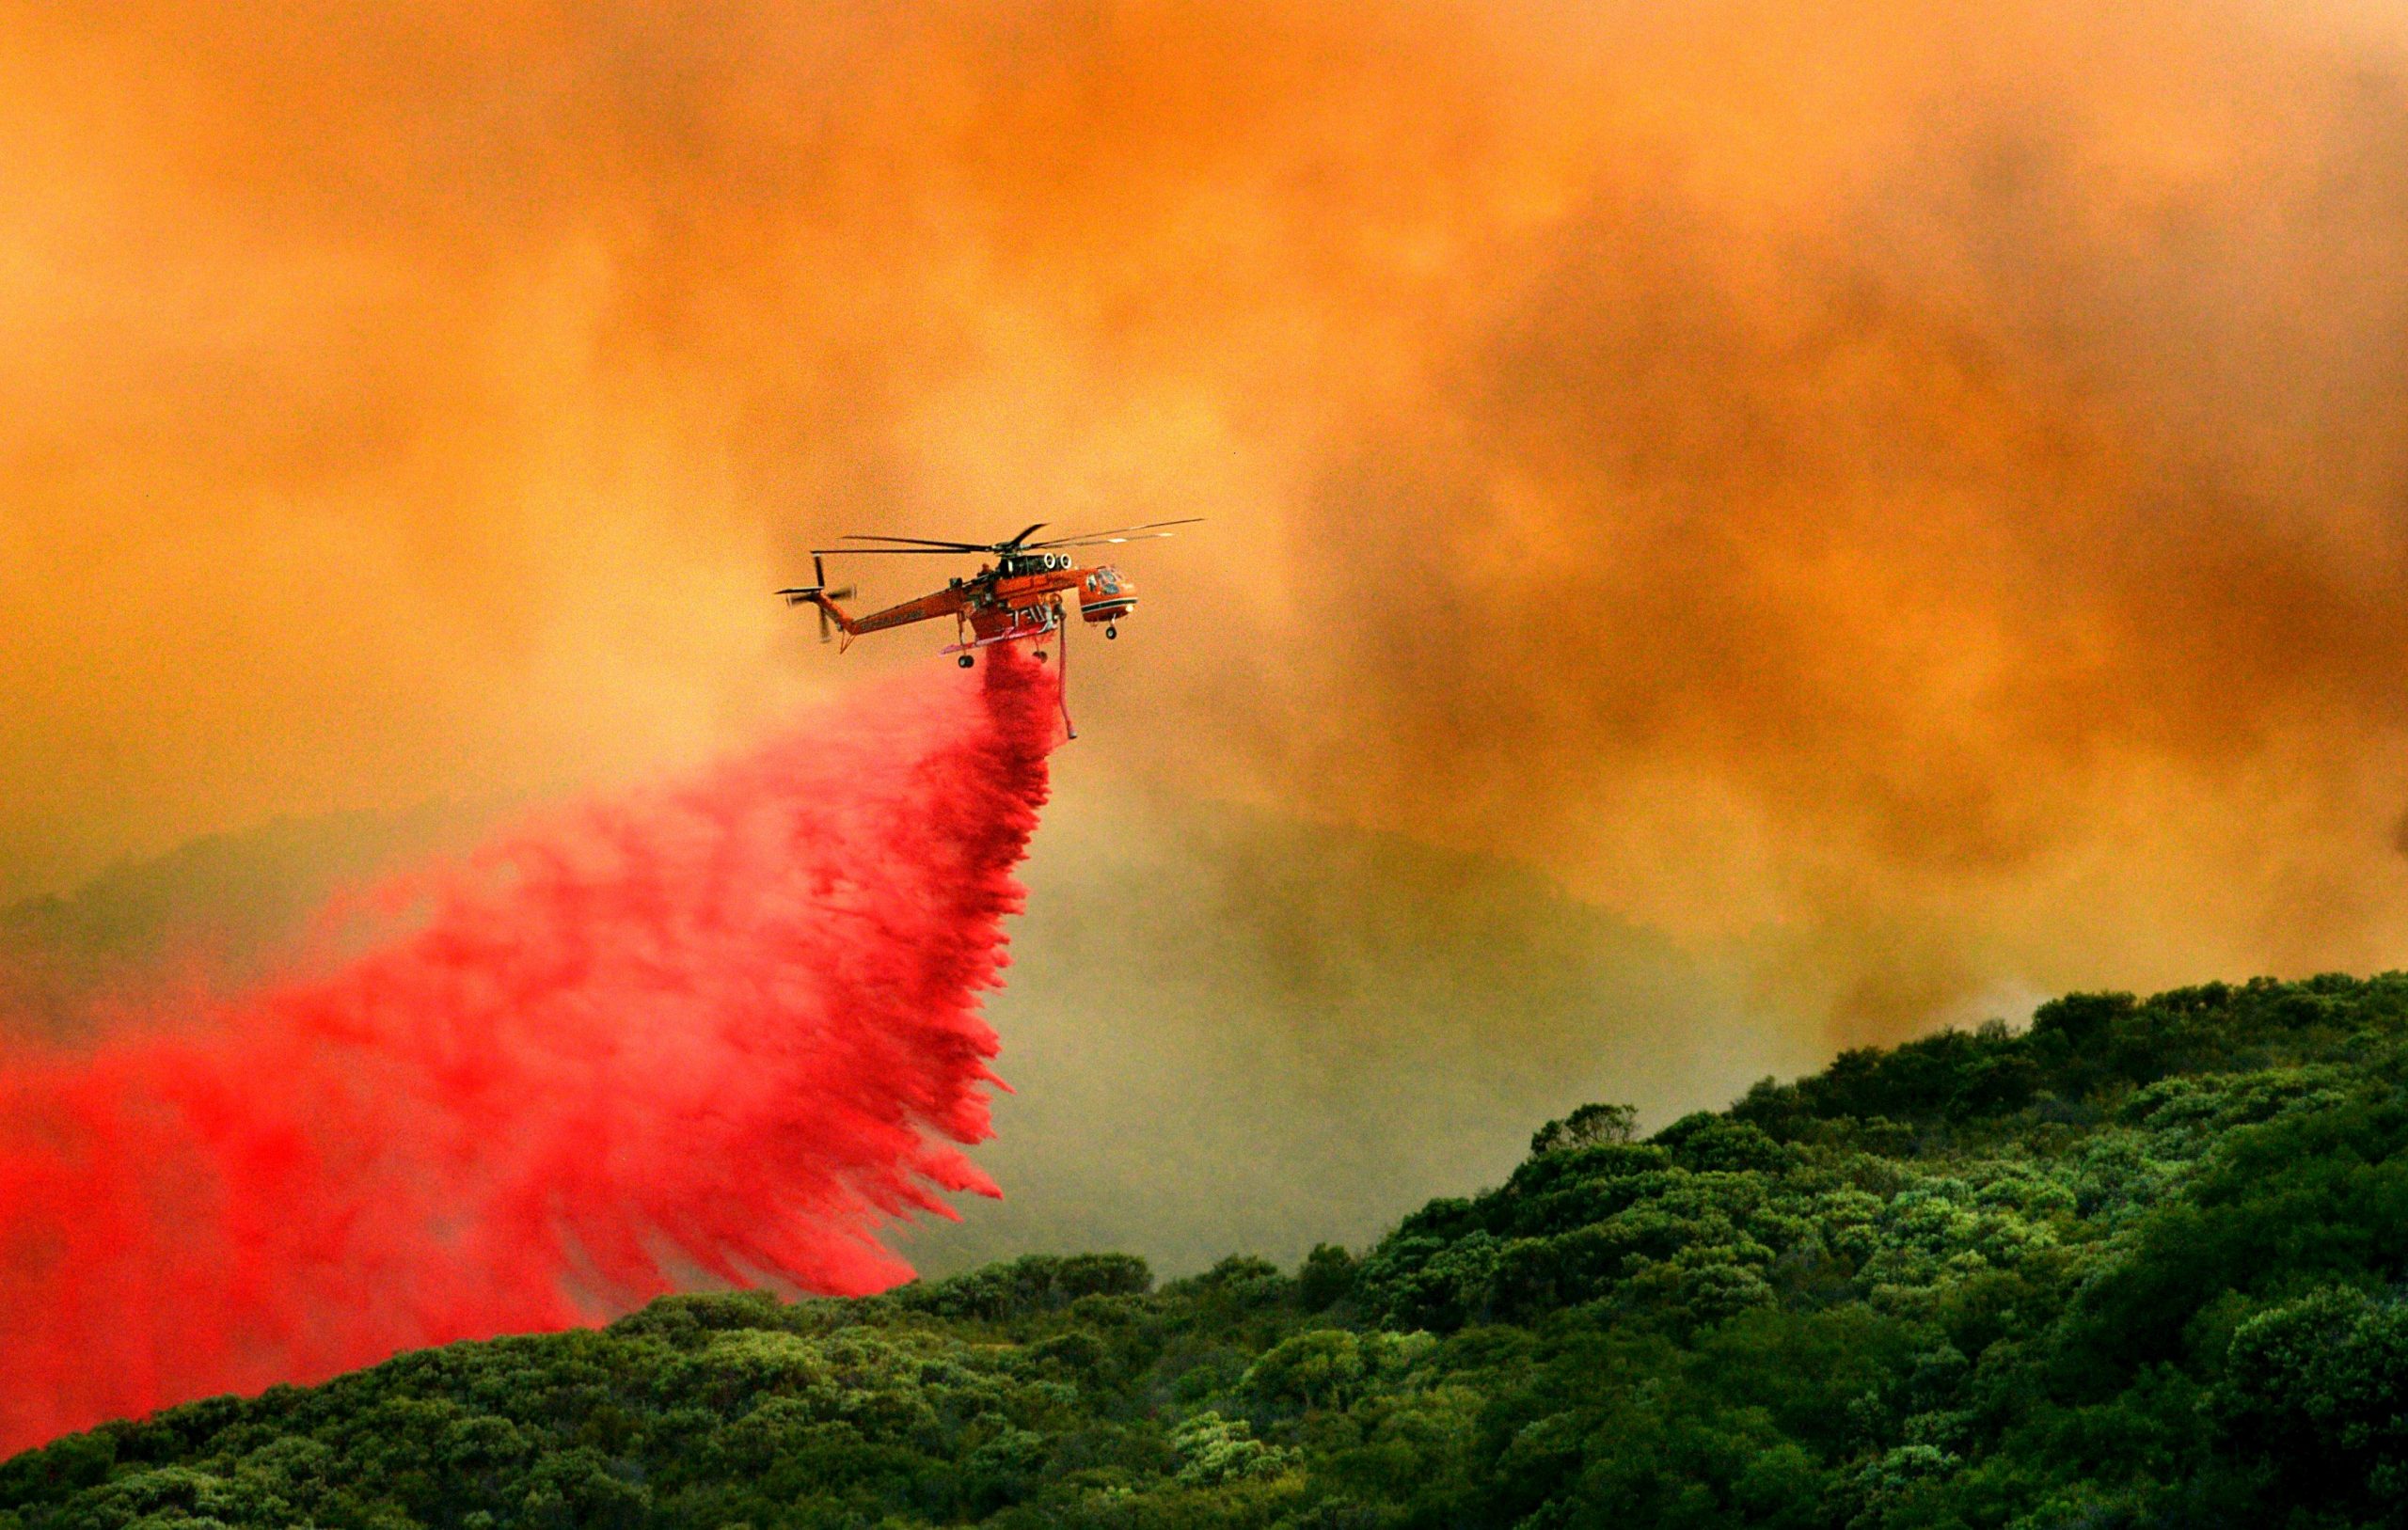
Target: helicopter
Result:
[1020, 595]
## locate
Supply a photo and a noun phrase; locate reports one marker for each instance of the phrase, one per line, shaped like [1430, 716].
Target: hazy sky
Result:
[1905, 500]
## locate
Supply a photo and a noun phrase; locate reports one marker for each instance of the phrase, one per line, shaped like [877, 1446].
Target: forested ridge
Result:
[2140, 1265]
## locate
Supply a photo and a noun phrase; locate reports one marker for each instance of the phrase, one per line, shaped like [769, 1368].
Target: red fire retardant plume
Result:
[720, 1031]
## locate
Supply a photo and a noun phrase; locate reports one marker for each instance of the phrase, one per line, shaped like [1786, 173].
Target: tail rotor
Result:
[817, 595]
[828, 628]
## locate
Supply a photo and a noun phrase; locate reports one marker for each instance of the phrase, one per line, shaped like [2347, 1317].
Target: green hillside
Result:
[2135, 1267]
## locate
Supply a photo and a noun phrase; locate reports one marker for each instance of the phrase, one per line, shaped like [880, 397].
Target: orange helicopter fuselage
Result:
[993, 606]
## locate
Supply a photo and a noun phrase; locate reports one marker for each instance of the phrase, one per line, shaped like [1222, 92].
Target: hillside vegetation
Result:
[2137, 1266]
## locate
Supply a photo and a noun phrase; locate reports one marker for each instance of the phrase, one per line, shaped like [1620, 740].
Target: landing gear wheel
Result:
[1111, 631]
[1039, 655]
[966, 661]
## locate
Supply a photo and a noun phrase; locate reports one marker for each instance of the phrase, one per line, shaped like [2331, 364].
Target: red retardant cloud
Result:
[719, 1031]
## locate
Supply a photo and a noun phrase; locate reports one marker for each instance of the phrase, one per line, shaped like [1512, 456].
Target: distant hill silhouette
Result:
[1232, 1030]
[1226, 1028]
[219, 909]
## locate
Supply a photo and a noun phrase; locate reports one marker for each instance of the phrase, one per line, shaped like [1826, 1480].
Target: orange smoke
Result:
[1907, 501]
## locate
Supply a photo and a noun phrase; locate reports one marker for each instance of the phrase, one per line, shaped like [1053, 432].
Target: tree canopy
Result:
[2139, 1265]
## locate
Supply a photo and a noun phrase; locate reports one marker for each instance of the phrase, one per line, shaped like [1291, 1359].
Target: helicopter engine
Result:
[1105, 596]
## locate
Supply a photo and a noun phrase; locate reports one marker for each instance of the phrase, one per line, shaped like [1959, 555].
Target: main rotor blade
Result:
[926, 552]
[1096, 542]
[1122, 533]
[919, 541]
[1005, 546]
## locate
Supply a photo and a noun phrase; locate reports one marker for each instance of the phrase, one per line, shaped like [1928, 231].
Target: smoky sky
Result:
[1906, 499]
